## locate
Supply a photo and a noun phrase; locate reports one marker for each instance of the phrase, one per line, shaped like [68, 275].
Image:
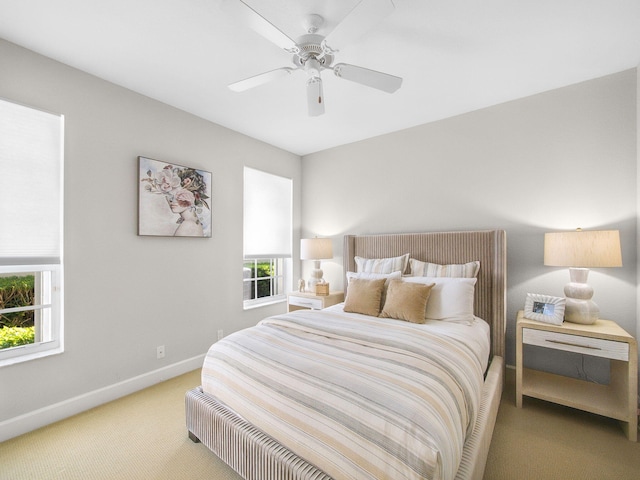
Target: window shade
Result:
[267, 215]
[31, 146]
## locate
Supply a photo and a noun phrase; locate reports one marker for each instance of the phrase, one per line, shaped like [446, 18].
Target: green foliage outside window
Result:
[16, 328]
[15, 336]
[261, 270]
[16, 291]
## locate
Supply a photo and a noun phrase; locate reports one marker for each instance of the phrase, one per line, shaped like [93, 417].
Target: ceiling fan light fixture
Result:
[312, 67]
[315, 96]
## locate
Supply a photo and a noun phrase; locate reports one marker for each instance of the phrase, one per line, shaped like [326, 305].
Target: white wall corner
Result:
[637, 201]
[638, 212]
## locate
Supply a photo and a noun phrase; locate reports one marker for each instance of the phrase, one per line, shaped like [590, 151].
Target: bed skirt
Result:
[256, 456]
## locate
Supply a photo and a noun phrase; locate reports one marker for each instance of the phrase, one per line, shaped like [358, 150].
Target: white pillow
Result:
[451, 298]
[382, 265]
[426, 269]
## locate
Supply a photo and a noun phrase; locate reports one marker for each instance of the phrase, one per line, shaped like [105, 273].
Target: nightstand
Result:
[311, 301]
[602, 339]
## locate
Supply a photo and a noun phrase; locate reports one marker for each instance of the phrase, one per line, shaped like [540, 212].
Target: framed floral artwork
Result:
[173, 201]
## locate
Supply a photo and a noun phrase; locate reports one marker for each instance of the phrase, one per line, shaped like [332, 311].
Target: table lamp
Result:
[315, 249]
[581, 250]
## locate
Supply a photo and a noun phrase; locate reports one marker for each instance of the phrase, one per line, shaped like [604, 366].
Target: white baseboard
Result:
[28, 422]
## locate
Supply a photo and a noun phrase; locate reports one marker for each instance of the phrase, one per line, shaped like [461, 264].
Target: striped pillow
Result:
[426, 269]
[373, 276]
[382, 265]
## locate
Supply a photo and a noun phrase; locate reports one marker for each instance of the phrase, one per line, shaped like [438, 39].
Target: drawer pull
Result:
[573, 344]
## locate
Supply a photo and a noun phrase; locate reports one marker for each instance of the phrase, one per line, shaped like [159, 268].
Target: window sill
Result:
[257, 304]
[26, 357]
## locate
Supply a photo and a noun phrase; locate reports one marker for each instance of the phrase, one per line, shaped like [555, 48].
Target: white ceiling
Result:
[455, 56]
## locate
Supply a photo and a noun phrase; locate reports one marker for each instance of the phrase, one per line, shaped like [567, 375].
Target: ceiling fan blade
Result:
[249, 17]
[261, 79]
[364, 16]
[315, 97]
[371, 78]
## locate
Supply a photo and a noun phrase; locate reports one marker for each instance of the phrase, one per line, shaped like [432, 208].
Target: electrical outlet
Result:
[160, 351]
[220, 334]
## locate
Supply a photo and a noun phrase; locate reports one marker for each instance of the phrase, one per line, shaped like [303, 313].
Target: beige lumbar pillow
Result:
[363, 296]
[406, 301]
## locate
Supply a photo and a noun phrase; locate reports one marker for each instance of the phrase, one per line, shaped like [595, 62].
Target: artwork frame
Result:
[544, 308]
[173, 200]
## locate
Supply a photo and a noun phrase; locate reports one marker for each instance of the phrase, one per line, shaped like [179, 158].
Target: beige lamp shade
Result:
[580, 251]
[585, 249]
[316, 248]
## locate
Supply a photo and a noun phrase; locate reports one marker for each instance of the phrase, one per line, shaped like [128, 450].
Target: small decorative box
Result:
[322, 289]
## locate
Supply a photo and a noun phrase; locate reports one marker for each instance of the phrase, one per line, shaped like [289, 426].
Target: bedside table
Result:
[602, 339]
[311, 301]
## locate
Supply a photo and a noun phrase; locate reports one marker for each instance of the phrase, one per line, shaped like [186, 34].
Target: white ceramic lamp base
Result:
[579, 307]
[316, 276]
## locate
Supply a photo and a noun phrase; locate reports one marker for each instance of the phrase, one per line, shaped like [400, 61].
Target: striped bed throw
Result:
[359, 397]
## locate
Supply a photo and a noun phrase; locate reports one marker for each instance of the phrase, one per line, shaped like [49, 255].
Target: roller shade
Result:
[31, 152]
[267, 215]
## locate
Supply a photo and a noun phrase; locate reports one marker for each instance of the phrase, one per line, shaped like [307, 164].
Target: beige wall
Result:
[124, 294]
[554, 161]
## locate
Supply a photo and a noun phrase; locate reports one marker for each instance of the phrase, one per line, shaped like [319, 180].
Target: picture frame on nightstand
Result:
[544, 308]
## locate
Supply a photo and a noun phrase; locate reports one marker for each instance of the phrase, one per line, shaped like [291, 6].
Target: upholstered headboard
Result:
[488, 246]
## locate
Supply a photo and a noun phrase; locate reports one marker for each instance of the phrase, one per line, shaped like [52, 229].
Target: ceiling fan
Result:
[313, 53]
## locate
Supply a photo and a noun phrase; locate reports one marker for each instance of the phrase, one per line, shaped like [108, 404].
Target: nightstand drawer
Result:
[596, 347]
[313, 303]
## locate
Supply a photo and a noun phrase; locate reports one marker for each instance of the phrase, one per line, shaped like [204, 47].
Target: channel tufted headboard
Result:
[487, 246]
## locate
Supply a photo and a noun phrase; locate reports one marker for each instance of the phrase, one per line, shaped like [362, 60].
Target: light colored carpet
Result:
[544, 441]
[143, 436]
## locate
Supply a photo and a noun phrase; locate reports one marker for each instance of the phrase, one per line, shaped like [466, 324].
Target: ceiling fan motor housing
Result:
[310, 47]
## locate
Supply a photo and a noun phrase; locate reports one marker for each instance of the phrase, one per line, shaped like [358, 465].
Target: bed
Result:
[267, 442]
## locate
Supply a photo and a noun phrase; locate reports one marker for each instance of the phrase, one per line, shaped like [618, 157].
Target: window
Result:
[263, 278]
[267, 237]
[31, 150]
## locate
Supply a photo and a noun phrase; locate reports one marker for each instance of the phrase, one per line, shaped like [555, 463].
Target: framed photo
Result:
[544, 308]
[173, 200]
